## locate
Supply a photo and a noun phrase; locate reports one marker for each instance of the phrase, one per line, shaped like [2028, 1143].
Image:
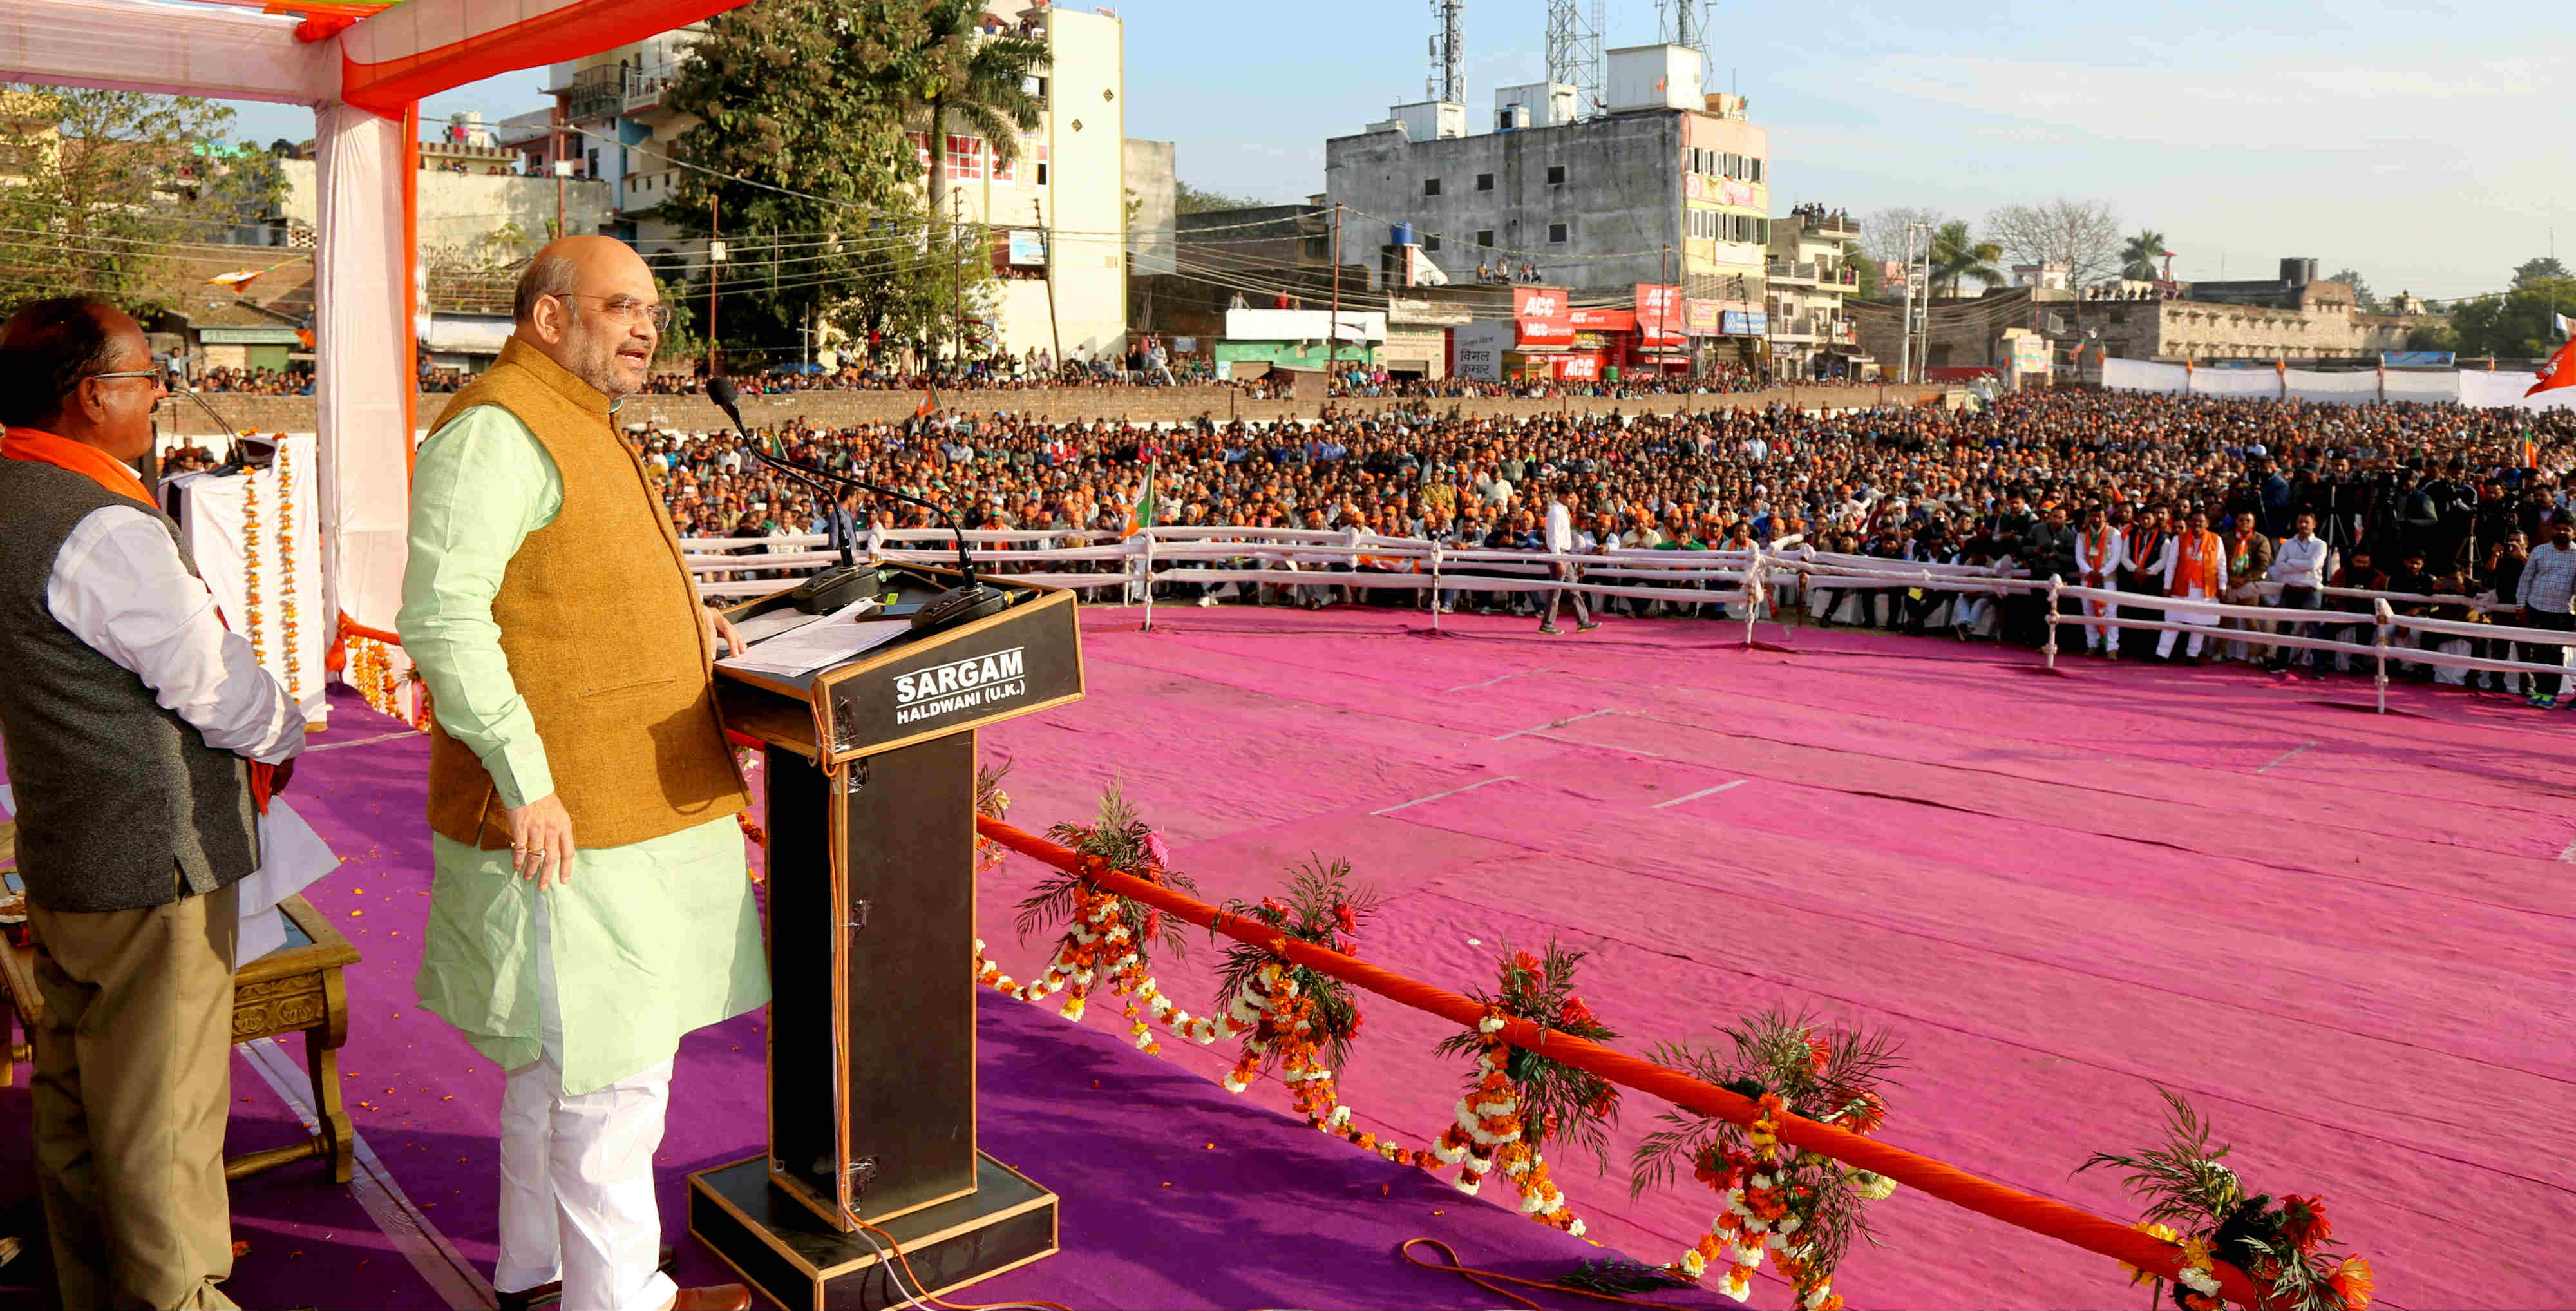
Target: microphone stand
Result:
[970, 599]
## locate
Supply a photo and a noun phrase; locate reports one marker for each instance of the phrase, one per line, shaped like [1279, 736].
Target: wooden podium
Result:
[870, 782]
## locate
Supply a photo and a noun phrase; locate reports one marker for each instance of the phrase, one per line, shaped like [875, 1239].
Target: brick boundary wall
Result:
[1141, 405]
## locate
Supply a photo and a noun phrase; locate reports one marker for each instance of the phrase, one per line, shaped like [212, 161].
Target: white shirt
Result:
[2299, 562]
[1560, 528]
[118, 585]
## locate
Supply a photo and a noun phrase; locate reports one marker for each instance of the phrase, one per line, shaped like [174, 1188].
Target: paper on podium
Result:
[823, 642]
[292, 857]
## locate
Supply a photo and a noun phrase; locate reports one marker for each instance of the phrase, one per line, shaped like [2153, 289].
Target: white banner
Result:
[214, 520]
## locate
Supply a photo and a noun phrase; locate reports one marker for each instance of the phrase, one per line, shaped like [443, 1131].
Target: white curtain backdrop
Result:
[2264, 382]
[212, 517]
[2143, 375]
[2437, 388]
[364, 366]
[2342, 388]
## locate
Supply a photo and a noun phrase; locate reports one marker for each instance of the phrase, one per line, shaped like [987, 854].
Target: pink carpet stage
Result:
[2344, 935]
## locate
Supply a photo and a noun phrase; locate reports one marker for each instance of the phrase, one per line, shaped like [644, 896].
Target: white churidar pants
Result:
[577, 1174]
[2097, 636]
[2165, 643]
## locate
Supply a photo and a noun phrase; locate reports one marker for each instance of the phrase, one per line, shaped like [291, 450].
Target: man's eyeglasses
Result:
[627, 309]
[123, 373]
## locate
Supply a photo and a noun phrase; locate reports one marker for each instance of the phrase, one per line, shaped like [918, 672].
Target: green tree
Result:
[2138, 257]
[1188, 199]
[122, 184]
[2538, 269]
[1957, 254]
[945, 69]
[801, 164]
[2362, 295]
[2519, 324]
[2432, 337]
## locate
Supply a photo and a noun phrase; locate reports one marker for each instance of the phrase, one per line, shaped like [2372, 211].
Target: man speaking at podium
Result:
[591, 904]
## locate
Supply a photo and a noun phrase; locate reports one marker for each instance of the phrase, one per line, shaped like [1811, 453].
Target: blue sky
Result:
[2427, 145]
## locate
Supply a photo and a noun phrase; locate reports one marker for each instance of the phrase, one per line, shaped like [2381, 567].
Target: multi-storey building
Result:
[1666, 186]
[618, 127]
[1811, 271]
[1060, 207]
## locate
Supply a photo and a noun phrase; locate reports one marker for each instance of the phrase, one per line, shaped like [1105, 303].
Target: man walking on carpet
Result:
[141, 739]
[1560, 541]
[591, 903]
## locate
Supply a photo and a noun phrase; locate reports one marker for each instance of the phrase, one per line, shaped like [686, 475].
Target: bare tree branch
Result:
[2084, 235]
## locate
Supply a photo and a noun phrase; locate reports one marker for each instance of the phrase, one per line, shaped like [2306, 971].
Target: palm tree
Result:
[1957, 254]
[951, 71]
[2138, 258]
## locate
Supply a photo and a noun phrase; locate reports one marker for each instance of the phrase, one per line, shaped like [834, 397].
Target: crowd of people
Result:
[256, 382]
[2421, 500]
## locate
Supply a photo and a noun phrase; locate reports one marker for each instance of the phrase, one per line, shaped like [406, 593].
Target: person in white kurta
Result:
[2101, 551]
[2195, 569]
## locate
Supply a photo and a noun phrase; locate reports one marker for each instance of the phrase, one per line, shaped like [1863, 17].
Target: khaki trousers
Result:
[133, 1086]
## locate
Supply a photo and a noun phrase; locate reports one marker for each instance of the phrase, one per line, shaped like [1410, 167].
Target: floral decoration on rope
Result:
[1302, 1021]
[2193, 1199]
[1804, 1207]
[1108, 936]
[991, 802]
[1518, 1099]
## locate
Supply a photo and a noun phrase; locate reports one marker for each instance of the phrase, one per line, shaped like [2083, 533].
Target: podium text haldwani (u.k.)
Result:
[870, 776]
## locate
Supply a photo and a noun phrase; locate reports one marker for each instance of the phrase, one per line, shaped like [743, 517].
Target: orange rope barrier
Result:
[2039, 1215]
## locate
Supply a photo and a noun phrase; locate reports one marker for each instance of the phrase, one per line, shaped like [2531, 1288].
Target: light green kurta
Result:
[649, 940]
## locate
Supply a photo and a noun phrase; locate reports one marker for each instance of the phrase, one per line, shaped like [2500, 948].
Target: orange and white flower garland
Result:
[1756, 1214]
[286, 564]
[1487, 1133]
[250, 568]
[1097, 950]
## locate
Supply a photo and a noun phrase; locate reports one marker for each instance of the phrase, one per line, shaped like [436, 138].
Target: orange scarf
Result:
[2198, 565]
[2097, 549]
[37, 446]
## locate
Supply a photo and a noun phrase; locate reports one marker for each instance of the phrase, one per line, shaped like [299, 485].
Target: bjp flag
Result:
[2559, 372]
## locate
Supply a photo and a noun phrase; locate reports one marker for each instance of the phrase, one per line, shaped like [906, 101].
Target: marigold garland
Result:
[2284, 1248]
[1802, 1208]
[1518, 1098]
[250, 567]
[286, 565]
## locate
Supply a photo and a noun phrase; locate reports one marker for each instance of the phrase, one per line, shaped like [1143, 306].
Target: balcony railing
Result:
[1835, 225]
[611, 91]
[1785, 271]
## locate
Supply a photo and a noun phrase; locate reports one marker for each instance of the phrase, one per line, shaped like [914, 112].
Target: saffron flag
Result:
[2559, 372]
[929, 402]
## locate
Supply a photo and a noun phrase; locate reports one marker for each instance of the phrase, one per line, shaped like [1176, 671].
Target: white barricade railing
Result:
[1213, 556]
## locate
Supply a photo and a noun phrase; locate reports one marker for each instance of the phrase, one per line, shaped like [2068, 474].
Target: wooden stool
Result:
[294, 989]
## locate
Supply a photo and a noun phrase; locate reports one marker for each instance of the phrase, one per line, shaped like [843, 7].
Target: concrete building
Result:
[1061, 206]
[2321, 323]
[459, 210]
[1666, 187]
[1810, 274]
[620, 129]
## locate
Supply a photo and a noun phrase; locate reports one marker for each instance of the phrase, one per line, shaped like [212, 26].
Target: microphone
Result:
[968, 600]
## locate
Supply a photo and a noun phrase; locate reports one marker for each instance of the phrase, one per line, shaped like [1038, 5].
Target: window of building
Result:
[1484, 182]
[1319, 248]
[1556, 175]
[1757, 170]
[1430, 186]
[1430, 241]
[1556, 233]
[1484, 236]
